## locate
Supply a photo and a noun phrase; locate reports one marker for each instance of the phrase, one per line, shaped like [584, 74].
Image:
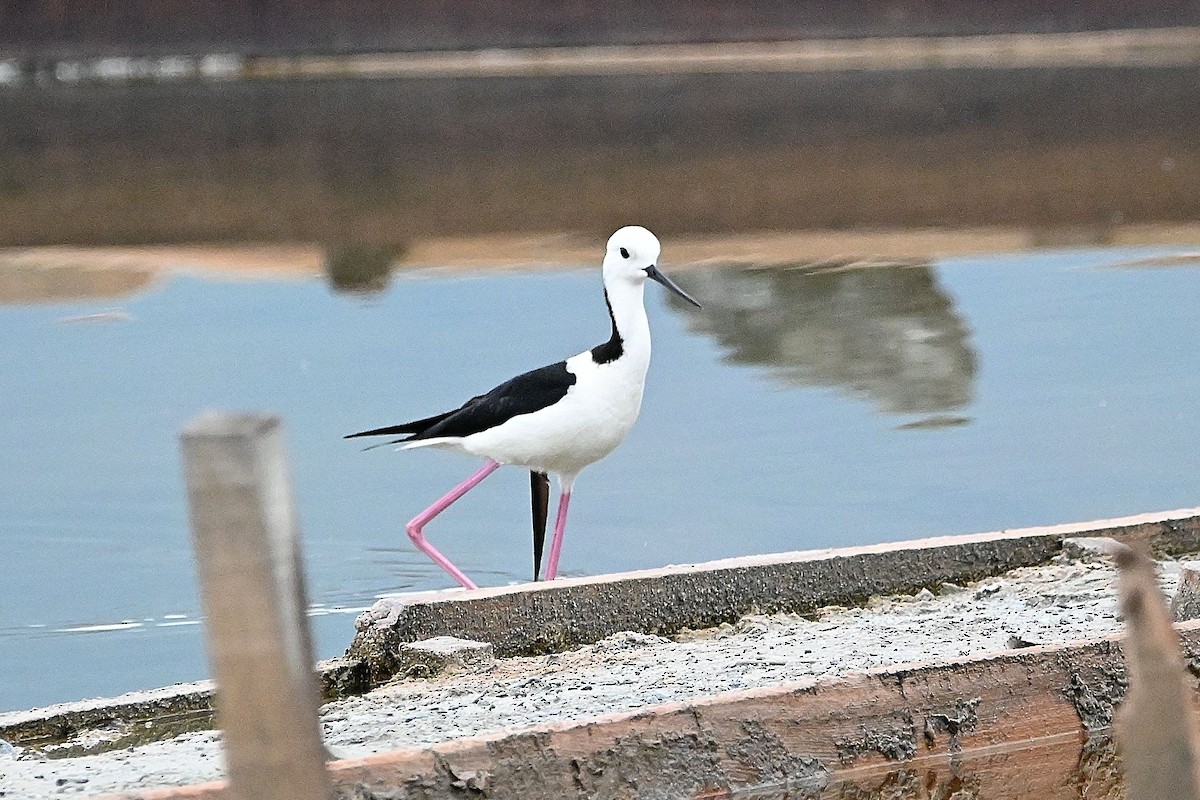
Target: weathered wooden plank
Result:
[1157, 727]
[252, 587]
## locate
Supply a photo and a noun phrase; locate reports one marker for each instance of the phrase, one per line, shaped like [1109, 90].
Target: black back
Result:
[528, 392]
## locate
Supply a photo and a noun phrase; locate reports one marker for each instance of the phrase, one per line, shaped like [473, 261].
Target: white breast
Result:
[585, 426]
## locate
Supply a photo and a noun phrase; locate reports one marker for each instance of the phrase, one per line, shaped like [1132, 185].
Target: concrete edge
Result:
[145, 716]
[804, 735]
[530, 619]
[1089, 528]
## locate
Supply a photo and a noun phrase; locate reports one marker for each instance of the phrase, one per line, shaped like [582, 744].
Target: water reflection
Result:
[360, 269]
[891, 334]
[23, 284]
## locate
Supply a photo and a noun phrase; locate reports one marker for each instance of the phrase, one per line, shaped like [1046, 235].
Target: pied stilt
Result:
[556, 419]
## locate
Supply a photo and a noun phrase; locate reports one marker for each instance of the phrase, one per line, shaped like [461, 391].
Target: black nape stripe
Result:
[614, 348]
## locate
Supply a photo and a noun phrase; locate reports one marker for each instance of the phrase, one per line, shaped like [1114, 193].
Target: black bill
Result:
[653, 274]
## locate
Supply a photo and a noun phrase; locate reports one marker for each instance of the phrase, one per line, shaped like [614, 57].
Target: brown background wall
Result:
[64, 28]
[386, 161]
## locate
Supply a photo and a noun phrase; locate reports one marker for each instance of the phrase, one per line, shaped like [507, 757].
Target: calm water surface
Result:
[796, 411]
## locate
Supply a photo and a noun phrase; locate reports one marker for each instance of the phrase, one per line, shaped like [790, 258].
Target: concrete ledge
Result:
[958, 720]
[92, 726]
[442, 655]
[545, 617]
[87, 726]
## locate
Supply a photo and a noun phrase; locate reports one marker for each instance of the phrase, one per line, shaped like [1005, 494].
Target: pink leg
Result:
[419, 522]
[560, 525]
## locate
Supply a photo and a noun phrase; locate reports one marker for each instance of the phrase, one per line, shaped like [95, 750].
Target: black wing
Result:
[528, 392]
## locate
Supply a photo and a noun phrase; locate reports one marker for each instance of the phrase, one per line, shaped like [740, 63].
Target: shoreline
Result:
[83, 274]
[1140, 47]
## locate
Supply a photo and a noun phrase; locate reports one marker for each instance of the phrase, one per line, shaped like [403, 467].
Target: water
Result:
[796, 411]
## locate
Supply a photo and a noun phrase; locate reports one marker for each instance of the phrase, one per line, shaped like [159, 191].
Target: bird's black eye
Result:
[624, 253]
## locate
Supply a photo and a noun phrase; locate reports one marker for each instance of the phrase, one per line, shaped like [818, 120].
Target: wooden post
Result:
[1156, 725]
[246, 538]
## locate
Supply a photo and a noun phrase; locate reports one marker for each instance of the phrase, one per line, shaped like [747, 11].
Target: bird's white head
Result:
[630, 250]
[632, 256]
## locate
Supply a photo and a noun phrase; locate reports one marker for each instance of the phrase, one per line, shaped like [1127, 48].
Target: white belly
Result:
[585, 426]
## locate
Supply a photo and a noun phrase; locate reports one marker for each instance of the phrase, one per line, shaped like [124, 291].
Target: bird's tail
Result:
[416, 426]
[378, 445]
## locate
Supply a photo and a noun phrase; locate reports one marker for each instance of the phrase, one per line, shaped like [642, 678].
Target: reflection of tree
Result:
[890, 333]
[360, 269]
